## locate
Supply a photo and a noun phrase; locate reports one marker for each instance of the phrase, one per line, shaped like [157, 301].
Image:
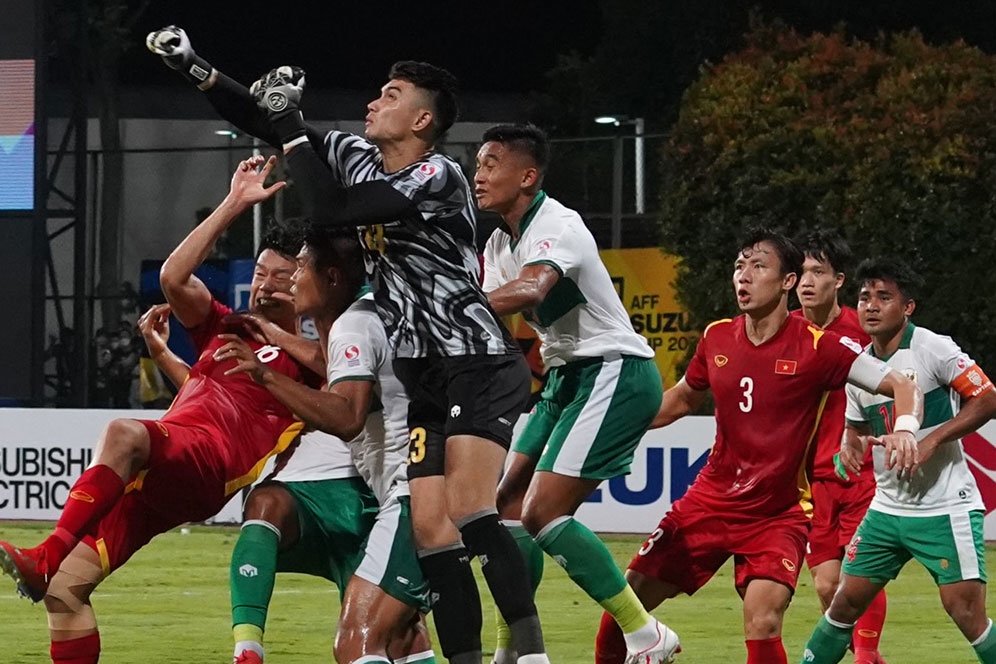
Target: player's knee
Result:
[764, 624]
[269, 503]
[536, 514]
[124, 440]
[67, 600]
[966, 612]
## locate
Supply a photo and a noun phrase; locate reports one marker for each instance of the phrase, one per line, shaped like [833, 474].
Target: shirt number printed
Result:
[373, 238]
[747, 383]
[649, 544]
[416, 445]
[886, 414]
[267, 354]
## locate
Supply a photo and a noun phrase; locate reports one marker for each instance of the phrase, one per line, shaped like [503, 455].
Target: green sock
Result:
[252, 573]
[531, 551]
[828, 643]
[584, 557]
[985, 646]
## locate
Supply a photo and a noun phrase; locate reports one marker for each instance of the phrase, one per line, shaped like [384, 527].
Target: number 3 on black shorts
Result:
[416, 445]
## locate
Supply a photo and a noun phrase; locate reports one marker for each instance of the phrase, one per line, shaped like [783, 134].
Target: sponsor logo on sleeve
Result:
[352, 355]
[425, 172]
[852, 344]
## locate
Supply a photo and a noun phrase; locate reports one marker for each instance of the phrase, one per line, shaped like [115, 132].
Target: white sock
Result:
[417, 657]
[504, 656]
[535, 658]
[255, 646]
[985, 633]
[643, 638]
[371, 659]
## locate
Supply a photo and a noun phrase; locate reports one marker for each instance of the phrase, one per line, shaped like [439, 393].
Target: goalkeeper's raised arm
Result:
[231, 99]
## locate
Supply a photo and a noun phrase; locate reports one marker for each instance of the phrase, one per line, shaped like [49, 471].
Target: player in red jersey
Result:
[838, 504]
[769, 374]
[149, 476]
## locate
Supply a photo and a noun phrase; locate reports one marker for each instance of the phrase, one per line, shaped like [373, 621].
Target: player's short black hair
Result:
[525, 138]
[888, 268]
[336, 247]
[827, 245]
[441, 85]
[789, 254]
[285, 238]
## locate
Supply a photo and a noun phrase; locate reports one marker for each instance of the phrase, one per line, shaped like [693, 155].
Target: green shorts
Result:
[950, 546]
[335, 517]
[390, 560]
[591, 416]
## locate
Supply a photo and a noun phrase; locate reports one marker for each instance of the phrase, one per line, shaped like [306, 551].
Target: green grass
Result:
[170, 604]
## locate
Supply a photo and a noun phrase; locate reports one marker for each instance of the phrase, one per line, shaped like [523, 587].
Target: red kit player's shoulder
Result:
[848, 325]
[717, 327]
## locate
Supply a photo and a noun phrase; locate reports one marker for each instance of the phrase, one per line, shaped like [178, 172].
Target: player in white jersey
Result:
[934, 513]
[603, 387]
[365, 404]
[465, 376]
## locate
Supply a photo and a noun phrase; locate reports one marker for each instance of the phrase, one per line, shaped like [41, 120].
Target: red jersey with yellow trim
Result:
[831, 428]
[769, 399]
[243, 423]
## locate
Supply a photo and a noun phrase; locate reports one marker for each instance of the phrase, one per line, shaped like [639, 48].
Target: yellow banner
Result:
[644, 280]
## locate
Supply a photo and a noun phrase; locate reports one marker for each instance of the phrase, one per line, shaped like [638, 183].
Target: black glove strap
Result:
[197, 71]
[289, 126]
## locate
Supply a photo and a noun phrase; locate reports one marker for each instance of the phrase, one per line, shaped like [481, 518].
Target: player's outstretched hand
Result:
[154, 326]
[278, 92]
[261, 329]
[173, 46]
[245, 360]
[901, 452]
[851, 456]
[249, 182]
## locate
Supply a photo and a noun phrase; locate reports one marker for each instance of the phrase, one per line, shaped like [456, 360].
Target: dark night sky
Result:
[494, 47]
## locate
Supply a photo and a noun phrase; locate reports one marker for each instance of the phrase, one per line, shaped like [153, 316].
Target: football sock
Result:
[503, 635]
[456, 604]
[590, 566]
[985, 645]
[766, 651]
[531, 552]
[505, 571]
[91, 498]
[371, 659]
[252, 573]
[828, 642]
[868, 629]
[84, 650]
[427, 657]
[610, 646]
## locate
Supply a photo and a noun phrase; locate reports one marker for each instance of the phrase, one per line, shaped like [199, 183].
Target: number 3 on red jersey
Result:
[747, 402]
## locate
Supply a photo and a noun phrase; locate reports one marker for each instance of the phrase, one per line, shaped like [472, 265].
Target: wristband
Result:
[907, 423]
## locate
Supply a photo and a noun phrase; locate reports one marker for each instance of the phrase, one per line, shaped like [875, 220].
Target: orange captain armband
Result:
[972, 382]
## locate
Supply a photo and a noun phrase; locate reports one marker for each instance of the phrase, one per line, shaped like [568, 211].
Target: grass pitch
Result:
[170, 604]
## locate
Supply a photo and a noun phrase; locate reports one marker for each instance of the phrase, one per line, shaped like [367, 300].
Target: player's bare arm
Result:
[853, 445]
[525, 292]
[973, 414]
[901, 450]
[306, 351]
[154, 326]
[677, 402]
[189, 298]
[341, 410]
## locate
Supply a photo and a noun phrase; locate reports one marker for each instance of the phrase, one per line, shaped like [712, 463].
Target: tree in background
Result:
[893, 142]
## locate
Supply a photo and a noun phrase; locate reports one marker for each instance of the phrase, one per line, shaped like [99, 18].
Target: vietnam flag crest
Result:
[785, 367]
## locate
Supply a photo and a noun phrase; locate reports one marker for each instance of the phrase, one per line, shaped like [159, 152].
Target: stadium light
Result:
[638, 129]
[227, 132]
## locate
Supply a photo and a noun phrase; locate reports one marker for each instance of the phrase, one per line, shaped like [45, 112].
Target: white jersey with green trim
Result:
[358, 350]
[582, 316]
[944, 484]
[316, 456]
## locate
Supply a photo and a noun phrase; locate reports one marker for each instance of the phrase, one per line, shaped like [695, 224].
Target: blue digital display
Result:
[17, 134]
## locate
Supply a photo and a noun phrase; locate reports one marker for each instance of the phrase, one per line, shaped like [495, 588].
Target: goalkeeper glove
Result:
[278, 95]
[172, 44]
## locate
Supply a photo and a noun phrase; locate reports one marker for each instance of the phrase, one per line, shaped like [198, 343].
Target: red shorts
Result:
[837, 510]
[692, 543]
[181, 483]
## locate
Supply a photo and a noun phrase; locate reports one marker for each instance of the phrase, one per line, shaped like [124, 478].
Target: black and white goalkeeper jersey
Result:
[424, 265]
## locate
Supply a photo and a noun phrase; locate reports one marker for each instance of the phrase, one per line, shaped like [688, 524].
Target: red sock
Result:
[766, 651]
[90, 499]
[84, 650]
[610, 647]
[868, 629]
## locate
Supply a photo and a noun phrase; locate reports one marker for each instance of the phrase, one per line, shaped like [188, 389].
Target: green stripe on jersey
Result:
[936, 410]
[564, 296]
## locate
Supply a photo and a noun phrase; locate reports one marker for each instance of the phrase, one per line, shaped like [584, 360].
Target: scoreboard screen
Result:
[17, 105]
